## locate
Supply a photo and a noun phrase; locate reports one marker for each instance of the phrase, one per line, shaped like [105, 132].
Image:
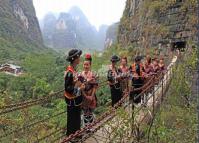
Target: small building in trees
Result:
[11, 69]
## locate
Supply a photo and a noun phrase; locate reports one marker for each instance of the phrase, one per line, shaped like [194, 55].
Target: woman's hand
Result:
[118, 78]
[136, 76]
[91, 80]
[82, 86]
[77, 83]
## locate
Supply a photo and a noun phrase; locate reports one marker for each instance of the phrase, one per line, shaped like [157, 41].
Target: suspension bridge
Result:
[109, 126]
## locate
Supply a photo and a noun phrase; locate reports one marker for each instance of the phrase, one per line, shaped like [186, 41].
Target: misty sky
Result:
[98, 12]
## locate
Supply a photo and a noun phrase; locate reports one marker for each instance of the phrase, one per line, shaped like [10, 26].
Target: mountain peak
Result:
[75, 10]
[64, 15]
[77, 13]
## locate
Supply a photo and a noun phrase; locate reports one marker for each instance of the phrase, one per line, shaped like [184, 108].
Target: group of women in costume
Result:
[80, 88]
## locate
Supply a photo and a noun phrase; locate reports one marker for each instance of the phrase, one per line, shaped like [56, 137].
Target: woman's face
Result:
[155, 63]
[86, 65]
[77, 60]
[123, 62]
[115, 64]
[161, 61]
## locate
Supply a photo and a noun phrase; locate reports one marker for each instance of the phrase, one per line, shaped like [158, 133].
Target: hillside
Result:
[19, 31]
[21, 44]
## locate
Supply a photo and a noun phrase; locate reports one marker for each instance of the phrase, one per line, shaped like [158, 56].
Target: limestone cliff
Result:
[151, 22]
[111, 35]
[18, 21]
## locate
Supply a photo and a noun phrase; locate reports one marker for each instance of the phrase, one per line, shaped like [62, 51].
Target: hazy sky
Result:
[98, 12]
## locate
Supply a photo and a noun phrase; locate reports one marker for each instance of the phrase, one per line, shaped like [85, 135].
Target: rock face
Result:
[18, 21]
[64, 34]
[71, 30]
[48, 28]
[102, 35]
[148, 23]
[111, 35]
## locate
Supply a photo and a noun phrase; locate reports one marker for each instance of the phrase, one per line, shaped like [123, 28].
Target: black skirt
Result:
[73, 115]
[134, 95]
[73, 119]
[116, 93]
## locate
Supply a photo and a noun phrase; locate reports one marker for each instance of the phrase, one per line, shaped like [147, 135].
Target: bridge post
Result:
[153, 109]
[132, 115]
[198, 70]
[162, 82]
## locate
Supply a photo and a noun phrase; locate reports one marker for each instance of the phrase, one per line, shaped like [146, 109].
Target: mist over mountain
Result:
[102, 34]
[72, 30]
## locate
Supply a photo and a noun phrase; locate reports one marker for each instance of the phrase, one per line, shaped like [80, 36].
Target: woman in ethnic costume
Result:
[73, 95]
[89, 93]
[114, 80]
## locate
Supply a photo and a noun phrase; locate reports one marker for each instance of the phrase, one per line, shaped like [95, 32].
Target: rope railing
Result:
[31, 101]
[101, 120]
[31, 125]
[96, 124]
[25, 104]
[58, 131]
[163, 85]
[111, 113]
[147, 89]
[105, 117]
[40, 100]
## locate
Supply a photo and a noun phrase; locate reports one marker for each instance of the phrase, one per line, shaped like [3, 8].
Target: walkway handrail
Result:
[111, 112]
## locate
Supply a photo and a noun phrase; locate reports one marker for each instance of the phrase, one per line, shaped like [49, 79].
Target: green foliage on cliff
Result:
[14, 14]
[176, 121]
[149, 22]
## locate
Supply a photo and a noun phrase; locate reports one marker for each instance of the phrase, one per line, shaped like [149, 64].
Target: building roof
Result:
[10, 65]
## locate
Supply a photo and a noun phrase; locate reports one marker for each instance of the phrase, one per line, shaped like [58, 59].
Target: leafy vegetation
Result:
[177, 119]
[43, 74]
